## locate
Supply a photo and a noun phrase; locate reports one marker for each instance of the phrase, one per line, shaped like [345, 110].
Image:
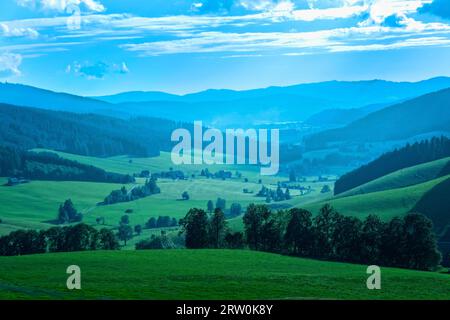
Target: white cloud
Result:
[9, 64]
[6, 31]
[63, 5]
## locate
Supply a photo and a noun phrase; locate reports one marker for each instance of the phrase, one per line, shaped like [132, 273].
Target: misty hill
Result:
[85, 134]
[408, 156]
[342, 117]
[419, 116]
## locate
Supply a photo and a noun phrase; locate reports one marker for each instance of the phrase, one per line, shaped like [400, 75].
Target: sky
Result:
[99, 47]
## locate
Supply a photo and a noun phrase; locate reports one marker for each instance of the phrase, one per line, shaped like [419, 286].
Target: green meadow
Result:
[206, 274]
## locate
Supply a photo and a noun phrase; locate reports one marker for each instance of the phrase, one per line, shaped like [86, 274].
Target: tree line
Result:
[80, 237]
[49, 166]
[410, 155]
[407, 242]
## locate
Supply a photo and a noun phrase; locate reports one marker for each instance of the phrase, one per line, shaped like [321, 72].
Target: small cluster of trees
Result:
[407, 242]
[67, 213]
[161, 222]
[123, 195]
[274, 195]
[80, 237]
[222, 174]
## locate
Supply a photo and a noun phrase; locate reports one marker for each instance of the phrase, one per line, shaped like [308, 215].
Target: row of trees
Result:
[407, 242]
[161, 222]
[80, 237]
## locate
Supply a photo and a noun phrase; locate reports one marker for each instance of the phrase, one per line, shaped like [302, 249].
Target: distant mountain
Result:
[419, 116]
[21, 95]
[229, 107]
[139, 96]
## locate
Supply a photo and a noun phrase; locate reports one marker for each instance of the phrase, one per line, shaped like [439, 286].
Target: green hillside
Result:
[386, 204]
[206, 274]
[402, 178]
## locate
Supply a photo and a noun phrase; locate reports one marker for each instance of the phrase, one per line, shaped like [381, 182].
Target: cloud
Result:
[6, 31]
[9, 64]
[440, 8]
[63, 5]
[96, 70]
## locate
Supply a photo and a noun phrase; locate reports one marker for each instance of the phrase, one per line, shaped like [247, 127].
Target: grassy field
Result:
[34, 205]
[401, 178]
[206, 274]
[386, 204]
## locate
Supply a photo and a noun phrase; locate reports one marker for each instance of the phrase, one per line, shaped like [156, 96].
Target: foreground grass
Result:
[206, 274]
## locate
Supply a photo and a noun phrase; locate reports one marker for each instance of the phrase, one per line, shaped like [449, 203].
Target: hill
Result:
[86, 134]
[206, 274]
[403, 177]
[422, 115]
[407, 156]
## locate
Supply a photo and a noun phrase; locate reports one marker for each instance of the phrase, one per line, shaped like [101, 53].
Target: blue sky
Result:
[94, 47]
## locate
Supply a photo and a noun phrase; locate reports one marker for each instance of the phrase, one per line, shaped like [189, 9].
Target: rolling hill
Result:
[403, 178]
[397, 202]
[425, 114]
[206, 274]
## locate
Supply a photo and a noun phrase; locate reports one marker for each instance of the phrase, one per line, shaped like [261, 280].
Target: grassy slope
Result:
[401, 178]
[386, 204]
[207, 274]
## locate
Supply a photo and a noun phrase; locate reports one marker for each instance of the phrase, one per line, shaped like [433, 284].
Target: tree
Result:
[371, 240]
[185, 195]
[420, 243]
[125, 219]
[195, 227]
[325, 189]
[81, 237]
[287, 194]
[125, 233]
[221, 204]
[235, 210]
[217, 226]
[347, 239]
[67, 213]
[292, 176]
[324, 226]
[138, 229]
[234, 240]
[174, 222]
[254, 219]
[210, 206]
[151, 223]
[299, 236]
[108, 240]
